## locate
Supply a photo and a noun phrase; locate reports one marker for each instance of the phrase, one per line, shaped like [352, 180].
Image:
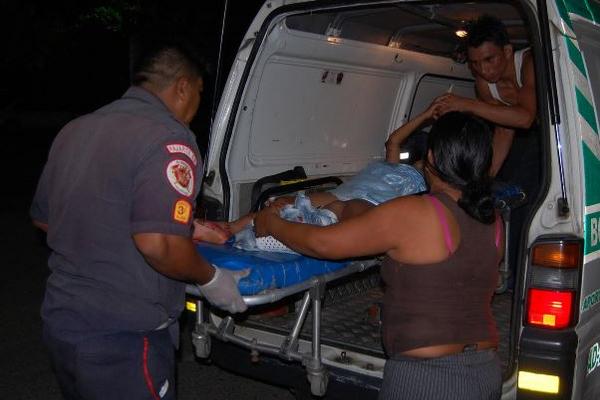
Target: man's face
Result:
[192, 102]
[489, 61]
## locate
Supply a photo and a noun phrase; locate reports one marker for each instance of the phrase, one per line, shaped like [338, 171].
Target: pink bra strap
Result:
[442, 217]
[498, 231]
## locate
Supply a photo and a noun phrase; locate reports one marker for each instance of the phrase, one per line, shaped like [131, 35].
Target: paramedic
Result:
[504, 83]
[116, 199]
[440, 271]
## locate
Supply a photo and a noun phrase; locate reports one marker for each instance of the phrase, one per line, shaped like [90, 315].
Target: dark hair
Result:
[159, 59]
[486, 28]
[461, 146]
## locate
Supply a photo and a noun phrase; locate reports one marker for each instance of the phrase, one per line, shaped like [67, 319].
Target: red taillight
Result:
[550, 308]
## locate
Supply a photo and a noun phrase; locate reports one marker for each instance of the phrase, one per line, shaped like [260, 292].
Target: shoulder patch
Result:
[181, 177]
[182, 212]
[178, 148]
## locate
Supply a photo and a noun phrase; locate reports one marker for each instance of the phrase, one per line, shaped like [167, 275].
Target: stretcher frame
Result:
[314, 290]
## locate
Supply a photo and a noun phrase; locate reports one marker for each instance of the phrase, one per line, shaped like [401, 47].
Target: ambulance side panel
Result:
[581, 41]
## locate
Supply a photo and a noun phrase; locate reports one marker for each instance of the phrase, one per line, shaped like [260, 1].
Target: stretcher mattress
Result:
[269, 270]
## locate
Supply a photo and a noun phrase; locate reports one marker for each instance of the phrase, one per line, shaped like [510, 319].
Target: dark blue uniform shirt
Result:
[129, 167]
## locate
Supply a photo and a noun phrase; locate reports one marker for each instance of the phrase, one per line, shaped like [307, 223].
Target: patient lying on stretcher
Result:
[376, 183]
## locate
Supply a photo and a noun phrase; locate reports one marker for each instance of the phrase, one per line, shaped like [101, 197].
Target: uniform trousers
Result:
[124, 365]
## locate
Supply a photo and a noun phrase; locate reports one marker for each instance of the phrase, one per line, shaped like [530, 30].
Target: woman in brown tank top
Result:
[440, 271]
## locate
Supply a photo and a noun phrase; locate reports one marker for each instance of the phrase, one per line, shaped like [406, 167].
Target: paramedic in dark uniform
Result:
[116, 198]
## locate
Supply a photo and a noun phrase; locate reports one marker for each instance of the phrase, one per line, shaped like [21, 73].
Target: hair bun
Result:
[477, 201]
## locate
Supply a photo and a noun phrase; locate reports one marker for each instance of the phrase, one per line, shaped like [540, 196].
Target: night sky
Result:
[66, 58]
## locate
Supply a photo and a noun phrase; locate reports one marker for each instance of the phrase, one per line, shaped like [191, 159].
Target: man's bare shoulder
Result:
[527, 69]
[482, 91]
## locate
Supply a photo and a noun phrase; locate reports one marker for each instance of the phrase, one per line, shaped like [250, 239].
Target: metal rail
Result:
[314, 289]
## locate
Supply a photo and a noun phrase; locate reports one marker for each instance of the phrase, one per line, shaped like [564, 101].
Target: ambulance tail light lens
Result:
[553, 281]
[550, 308]
[559, 254]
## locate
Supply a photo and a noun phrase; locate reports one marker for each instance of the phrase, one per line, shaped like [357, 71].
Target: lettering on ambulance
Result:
[593, 358]
[590, 300]
[592, 233]
[592, 252]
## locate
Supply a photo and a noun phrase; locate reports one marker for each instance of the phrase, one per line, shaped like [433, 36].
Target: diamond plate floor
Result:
[350, 321]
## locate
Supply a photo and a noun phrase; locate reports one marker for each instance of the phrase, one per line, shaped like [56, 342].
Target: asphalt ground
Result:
[25, 371]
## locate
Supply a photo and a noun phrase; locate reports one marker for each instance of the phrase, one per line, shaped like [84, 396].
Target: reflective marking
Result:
[588, 258]
[538, 382]
[575, 56]
[164, 389]
[592, 209]
[586, 109]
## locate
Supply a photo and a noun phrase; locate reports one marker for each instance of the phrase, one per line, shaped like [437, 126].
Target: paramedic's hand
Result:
[222, 290]
[261, 221]
[450, 102]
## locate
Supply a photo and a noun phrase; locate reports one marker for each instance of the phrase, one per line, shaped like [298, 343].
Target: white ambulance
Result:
[318, 86]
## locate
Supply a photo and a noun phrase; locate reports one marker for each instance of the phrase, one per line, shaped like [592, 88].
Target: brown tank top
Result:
[446, 302]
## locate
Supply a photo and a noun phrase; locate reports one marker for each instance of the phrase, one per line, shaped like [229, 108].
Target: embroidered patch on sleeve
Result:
[182, 212]
[175, 148]
[181, 177]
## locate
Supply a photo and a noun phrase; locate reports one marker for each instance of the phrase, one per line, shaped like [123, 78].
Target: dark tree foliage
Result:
[64, 58]
[75, 54]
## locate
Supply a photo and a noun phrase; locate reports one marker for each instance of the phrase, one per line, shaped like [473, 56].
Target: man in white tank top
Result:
[504, 83]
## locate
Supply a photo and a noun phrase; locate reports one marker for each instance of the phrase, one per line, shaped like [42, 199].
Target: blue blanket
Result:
[269, 270]
[380, 181]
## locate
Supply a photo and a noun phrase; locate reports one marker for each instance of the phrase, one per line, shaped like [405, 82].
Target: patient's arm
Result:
[317, 199]
[349, 208]
[218, 232]
[396, 138]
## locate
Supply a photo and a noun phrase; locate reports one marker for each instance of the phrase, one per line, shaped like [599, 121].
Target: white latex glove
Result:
[222, 290]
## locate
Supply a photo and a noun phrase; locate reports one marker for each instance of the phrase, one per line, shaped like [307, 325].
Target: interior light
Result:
[538, 382]
[461, 33]
[404, 155]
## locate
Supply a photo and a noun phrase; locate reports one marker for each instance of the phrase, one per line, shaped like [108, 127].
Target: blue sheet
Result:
[269, 270]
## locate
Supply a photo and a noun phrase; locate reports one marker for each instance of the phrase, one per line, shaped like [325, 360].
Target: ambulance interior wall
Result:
[327, 107]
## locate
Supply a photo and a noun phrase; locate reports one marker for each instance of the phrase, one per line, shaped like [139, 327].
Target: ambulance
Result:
[317, 86]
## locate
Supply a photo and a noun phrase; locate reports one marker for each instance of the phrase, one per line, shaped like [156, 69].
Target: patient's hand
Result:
[211, 231]
[262, 220]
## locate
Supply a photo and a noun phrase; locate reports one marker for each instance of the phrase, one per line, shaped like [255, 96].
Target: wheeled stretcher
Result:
[275, 276]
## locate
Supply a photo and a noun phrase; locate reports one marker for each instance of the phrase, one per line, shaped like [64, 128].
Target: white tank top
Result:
[518, 58]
